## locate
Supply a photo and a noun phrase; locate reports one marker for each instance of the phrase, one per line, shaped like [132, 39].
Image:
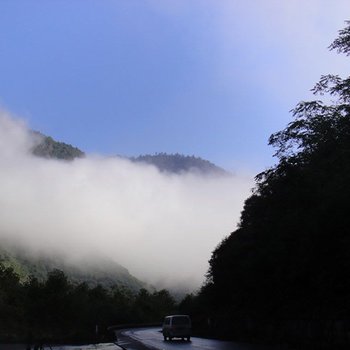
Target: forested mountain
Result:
[283, 275]
[106, 273]
[91, 270]
[47, 147]
[179, 163]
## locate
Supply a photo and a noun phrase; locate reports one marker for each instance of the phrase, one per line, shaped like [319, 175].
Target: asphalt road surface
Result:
[152, 339]
[149, 339]
[102, 346]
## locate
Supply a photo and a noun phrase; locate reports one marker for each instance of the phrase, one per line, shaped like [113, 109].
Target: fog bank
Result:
[161, 227]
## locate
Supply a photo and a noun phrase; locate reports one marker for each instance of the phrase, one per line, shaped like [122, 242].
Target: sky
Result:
[199, 77]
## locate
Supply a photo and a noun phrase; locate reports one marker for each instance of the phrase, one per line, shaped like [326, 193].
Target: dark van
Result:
[177, 326]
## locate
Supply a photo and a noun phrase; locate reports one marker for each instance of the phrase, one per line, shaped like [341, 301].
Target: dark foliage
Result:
[57, 311]
[289, 260]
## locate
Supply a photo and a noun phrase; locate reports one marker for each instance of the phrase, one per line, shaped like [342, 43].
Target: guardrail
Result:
[120, 327]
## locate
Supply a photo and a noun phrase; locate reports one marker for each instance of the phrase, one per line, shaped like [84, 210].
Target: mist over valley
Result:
[158, 216]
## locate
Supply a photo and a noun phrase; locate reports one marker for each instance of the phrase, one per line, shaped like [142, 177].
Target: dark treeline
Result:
[57, 311]
[283, 275]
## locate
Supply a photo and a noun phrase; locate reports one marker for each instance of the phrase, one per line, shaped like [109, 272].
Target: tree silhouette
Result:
[58, 311]
[289, 257]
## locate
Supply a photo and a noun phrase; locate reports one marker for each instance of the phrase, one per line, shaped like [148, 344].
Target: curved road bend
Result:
[152, 339]
[102, 346]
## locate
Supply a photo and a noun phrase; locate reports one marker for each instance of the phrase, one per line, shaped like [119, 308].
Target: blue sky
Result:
[213, 78]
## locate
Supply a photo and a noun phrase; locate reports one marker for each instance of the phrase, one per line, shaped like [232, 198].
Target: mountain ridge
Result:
[179, 163]
[174, 163]
[47, 147]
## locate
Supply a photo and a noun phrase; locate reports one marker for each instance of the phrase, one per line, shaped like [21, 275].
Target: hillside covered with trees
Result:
[92, 270]
[176, 163]
[283, 275]
[95, 271]
[179, 163]
[47, 147]
[57, 311]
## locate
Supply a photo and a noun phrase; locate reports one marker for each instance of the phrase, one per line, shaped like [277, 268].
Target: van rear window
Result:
[180, 320]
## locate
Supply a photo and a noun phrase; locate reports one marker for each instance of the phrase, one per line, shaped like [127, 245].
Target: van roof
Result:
[177, 316]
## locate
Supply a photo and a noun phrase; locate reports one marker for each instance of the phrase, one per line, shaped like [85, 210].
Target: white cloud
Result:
[163, 228]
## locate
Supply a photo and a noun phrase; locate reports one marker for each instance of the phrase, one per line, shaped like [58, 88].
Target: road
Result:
[104, 346]
[152, 339]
